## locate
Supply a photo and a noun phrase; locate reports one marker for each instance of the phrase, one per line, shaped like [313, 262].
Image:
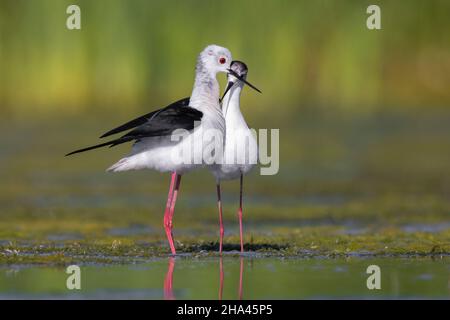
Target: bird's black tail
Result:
[109, 143]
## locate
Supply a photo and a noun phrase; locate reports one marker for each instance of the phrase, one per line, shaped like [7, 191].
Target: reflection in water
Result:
[241, 273]
[265, 278]
[168, 280]
[221, 276]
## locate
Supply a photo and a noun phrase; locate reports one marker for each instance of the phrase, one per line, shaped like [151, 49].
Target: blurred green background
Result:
[364, 119]
[136, 55]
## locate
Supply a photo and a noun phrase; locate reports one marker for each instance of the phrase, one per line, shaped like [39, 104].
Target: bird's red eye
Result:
[222, 60]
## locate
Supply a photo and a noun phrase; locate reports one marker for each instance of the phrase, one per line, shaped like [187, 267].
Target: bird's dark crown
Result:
[239, 67]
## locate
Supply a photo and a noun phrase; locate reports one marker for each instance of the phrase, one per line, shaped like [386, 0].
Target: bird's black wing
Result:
[162, 123]
[166, 121]
[145, 118]
[109, 143]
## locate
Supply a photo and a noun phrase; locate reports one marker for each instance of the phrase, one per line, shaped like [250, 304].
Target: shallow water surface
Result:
[233, 277]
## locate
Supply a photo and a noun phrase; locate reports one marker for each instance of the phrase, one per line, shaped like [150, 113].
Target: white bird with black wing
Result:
[154, 146]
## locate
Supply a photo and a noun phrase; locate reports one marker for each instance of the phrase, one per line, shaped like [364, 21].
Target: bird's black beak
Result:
[229, 86]
[231, 83]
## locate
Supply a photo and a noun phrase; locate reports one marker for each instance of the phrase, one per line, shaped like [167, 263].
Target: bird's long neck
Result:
[230, 103]
[205, 94]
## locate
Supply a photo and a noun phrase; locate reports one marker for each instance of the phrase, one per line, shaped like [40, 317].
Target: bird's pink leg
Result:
[172, 209]
[219, 204]
[167, 217]
[240, 215]
[168, 281]
[174, 196]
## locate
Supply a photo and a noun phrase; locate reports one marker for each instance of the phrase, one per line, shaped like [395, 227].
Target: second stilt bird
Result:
[241, 149]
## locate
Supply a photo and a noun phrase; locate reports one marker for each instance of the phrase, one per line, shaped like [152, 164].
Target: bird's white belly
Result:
[240, 156]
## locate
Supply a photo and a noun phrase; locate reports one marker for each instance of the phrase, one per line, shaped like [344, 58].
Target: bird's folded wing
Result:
[145, 118]
[158, 123]
[164, 122]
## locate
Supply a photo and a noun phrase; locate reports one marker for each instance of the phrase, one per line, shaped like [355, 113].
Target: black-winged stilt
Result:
[241, 149]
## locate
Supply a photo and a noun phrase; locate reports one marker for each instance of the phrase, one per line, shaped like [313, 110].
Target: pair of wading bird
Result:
[155, 146]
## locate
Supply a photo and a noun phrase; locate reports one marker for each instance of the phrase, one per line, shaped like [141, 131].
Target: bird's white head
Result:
[214, 59]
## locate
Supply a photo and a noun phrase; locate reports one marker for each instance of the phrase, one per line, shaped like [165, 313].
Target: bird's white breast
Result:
[241, 148]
